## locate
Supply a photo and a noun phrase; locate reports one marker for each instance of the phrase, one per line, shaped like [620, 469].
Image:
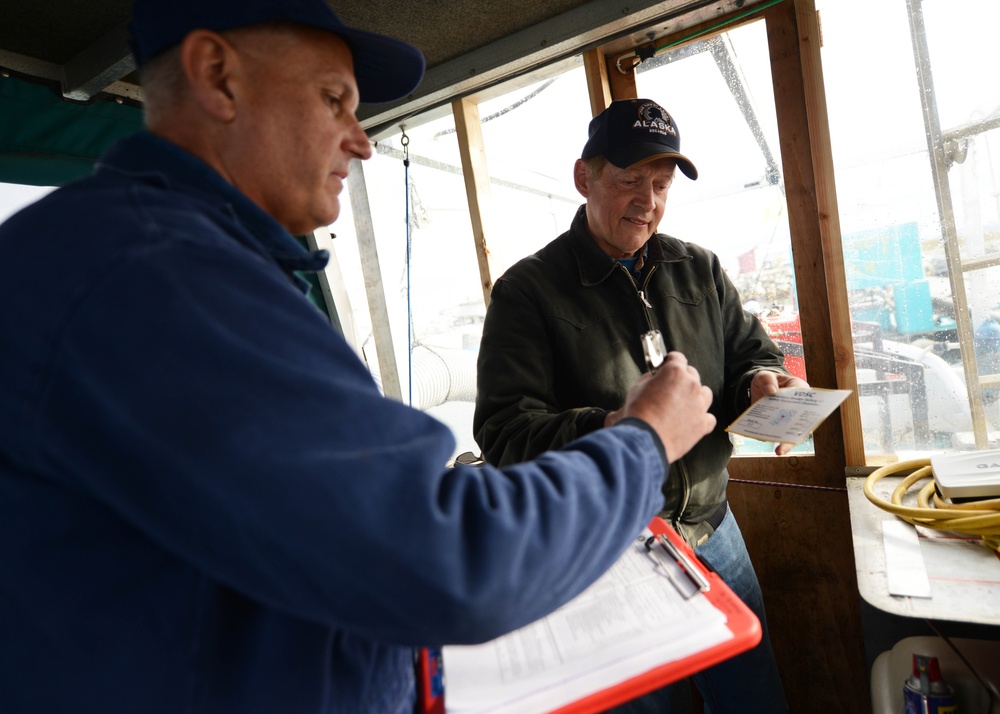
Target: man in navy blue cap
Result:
[206, 505]
[564, 338]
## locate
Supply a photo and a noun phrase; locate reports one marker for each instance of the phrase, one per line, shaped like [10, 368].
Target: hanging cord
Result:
[405, 141]
[975, 518]
[781, 484]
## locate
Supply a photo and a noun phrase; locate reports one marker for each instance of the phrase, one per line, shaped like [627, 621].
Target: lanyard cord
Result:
[405, 141]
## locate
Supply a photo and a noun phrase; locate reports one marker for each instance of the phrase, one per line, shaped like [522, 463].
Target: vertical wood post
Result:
[814, 221]
[477, 187]
[595, 65]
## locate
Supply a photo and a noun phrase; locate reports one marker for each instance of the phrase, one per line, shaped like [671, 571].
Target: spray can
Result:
[926, 692]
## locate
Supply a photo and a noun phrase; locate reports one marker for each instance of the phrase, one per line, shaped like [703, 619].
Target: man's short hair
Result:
[595, 165]
[162, 77]
[163, 83]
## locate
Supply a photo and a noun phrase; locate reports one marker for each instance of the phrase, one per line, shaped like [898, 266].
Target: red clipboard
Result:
[740, 621]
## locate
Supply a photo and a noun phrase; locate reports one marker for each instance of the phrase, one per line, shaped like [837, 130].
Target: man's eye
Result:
[331, 99]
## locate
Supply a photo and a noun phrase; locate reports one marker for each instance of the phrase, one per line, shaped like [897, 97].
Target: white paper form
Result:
[626, 623]
[905, 569]
[788, 416]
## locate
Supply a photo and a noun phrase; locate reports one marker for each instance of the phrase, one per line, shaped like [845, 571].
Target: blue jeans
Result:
[748, 683]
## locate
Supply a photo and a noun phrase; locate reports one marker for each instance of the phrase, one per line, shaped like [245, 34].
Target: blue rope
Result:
[409, 306]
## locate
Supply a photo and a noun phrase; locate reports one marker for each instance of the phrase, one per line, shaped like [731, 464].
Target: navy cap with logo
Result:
[634, 131]
[386, 69]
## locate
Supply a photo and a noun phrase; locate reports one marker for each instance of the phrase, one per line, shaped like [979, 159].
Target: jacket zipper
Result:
[641, 292]
[681, 468]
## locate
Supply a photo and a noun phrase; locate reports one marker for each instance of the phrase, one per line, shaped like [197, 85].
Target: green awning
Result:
[46, 140]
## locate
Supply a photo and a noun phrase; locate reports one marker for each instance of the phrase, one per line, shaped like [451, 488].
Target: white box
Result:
[974, 474]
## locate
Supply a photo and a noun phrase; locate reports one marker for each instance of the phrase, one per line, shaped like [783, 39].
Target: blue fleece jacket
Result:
[205, 503]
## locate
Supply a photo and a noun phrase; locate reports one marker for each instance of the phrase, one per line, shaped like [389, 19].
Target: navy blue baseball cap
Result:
[634, 131]
[386, 69]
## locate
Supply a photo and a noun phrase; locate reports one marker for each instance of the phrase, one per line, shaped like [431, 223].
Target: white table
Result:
[964, 573]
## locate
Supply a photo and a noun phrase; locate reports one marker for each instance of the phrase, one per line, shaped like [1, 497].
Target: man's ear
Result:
[580, 178]
[209, 62]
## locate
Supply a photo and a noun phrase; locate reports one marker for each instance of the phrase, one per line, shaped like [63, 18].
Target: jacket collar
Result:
[595, 265]
[159, 160]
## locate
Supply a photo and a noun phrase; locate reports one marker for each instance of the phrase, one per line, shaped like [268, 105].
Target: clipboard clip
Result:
[695, 577]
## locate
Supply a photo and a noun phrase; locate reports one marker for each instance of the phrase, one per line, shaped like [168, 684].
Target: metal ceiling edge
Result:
[22, 64]
[590, 25]
[594, 24]
[102, 63]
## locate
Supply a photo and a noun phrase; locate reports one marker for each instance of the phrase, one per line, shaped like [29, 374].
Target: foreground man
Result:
[206, 506]
[561, 345]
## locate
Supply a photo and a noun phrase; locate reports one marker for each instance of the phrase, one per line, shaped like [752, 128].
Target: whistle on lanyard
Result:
[654, 348]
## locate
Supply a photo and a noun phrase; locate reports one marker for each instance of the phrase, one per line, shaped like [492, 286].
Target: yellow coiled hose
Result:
[975, 518]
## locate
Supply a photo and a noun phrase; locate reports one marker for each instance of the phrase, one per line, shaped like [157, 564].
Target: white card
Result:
[788, 416]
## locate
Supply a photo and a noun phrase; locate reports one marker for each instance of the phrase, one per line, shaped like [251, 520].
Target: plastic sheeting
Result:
[46, 140]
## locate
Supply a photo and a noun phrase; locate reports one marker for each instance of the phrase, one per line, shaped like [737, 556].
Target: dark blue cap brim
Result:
[633, 154]
[385, 69]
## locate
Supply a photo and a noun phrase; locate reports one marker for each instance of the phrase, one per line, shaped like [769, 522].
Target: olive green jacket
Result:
[561, 347]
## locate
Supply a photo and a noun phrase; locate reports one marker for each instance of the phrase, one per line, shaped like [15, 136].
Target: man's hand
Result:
[674, 402]
[764, 384]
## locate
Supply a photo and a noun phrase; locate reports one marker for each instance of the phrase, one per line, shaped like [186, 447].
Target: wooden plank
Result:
[799, 540]
[807, 165]
[810, 43]
[595, 65]
[477, 187]
[363, 226]
[622, 84]
[981, 262]
[989, 380]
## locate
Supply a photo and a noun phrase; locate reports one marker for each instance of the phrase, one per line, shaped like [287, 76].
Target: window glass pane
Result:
[911, 360]
[437, 288]
[14, 197]
[719, 92]
[532, 137]
[430, 278]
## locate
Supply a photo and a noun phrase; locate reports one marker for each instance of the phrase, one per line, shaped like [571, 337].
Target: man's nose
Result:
[357, 142]
[644, 198]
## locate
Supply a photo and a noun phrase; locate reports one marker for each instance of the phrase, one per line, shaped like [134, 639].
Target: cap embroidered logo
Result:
[653, 116]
